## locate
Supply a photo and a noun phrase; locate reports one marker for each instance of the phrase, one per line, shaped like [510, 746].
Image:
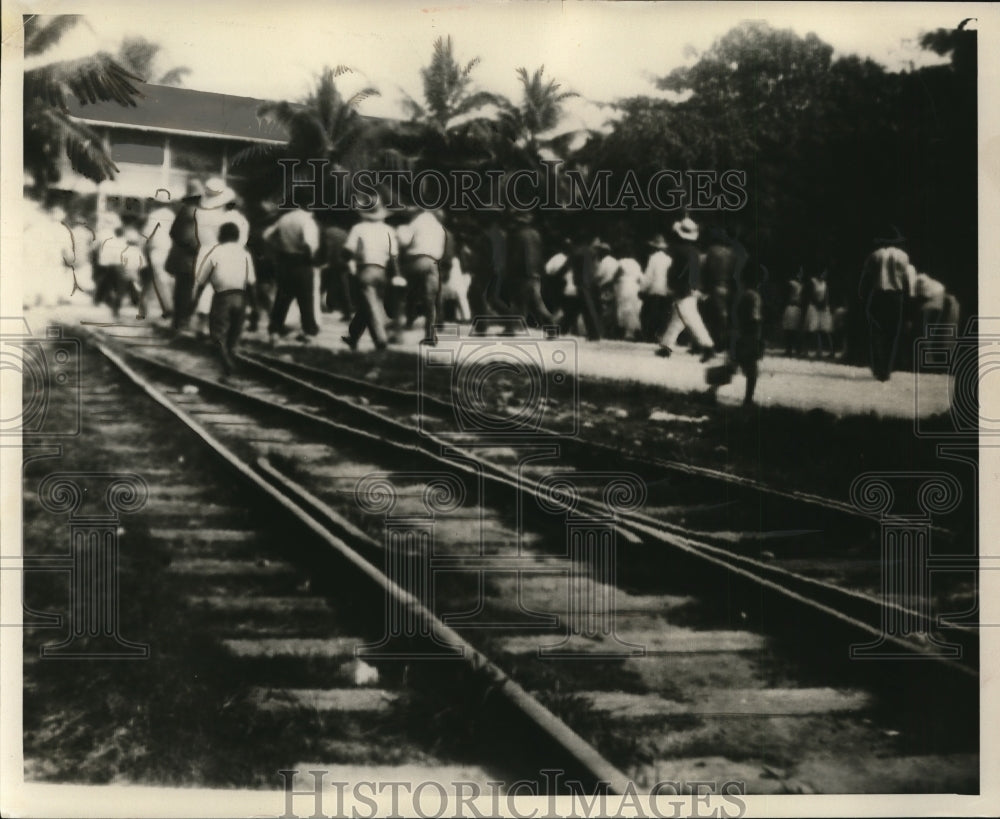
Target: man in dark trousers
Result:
[183, 254]
[725, 258]
[885, 290]
[525, 260]
[583, 263]
[295, 238]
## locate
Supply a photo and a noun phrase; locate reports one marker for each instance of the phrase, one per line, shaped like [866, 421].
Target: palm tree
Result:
[540, 110]
[139, 56]
[48, 128]
[449, 128]
[324, 125]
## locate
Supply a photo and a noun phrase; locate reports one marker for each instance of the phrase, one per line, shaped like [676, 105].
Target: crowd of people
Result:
[210, 267]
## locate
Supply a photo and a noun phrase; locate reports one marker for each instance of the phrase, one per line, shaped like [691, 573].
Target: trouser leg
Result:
[687, 309]
[674, 328]
[431, 289]
[304, 289]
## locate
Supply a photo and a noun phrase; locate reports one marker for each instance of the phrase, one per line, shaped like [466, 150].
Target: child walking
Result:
[228, 267]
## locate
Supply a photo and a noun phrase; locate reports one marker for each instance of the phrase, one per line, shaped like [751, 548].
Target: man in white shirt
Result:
[604, 282]
[229, 268]
[655, 312]
[422, 243]
[373, 244]
[295, 239]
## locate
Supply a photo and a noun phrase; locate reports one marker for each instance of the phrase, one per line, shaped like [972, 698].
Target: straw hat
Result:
[217, 193]
[686, 228]
[658, 242]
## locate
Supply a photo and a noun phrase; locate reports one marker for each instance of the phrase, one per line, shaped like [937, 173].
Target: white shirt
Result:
[110, 253]
[606, 270]
[227, 266]
[423, 236]
[654, 281]
[555, 264]
[157, 228]
[629, 279]
[372, 243]
[209, 220]
[132, 261]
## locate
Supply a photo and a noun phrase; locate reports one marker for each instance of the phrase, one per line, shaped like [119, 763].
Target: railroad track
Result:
[682, 656]
[823, 551]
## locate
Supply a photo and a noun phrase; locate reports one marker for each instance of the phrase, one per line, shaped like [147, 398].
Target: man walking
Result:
[157, 233]
[524, 269]
[422, 244]
[373, 244]
[183, 254]
[295, 238]
[228, 267]
[684, 280]
[885, 289]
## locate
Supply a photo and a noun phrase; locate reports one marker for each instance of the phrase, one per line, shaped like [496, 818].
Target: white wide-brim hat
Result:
[217, 193]
[686, 228]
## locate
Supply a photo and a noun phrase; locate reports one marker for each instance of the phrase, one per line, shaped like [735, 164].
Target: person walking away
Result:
[583, 263]
[183, 255]
[885, 289]
[524, 272]
[655, 313]
[818, 322]
[263, 254]
[487, 260]
[627, 282]
[725, 258]
[295, 241]
[133, 264]
[604, 288]
[157, 233]
[684, 282]
[217, 206]
[111, 284]
[558, 277]
[229, 269]
[454, 280]
[791, 318]
[748, 328]
[422, 245]
[82, 247]
[335, 273]
[373, 244]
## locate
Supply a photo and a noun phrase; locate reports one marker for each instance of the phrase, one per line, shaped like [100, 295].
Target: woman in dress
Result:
[791, 319]
[819, 319]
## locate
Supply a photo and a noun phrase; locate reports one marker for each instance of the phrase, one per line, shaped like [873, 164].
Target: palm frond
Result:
[281, 113]
[84, 148]
[362, 95]
[252, 153]
[42, 32]
[175, 75]
[470, 65]
[89, 79]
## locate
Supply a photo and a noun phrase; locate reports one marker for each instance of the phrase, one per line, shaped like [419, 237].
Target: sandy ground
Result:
[788, 382]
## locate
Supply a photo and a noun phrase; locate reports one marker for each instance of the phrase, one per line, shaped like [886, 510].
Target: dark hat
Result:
[891, 237]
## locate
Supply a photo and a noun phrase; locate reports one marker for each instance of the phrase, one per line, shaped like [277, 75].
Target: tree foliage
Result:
[48, 128]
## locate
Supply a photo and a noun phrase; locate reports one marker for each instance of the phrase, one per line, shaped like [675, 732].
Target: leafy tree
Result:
[48, 128]
[140, 55]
